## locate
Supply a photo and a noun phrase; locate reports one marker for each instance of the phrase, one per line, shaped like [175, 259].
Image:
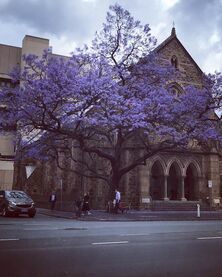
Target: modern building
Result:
[11, 57]
[192, 176]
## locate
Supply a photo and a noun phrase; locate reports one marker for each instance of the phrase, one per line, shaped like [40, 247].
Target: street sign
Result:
[145, 200]
[216, 201]
[210, 183]
[29, 170]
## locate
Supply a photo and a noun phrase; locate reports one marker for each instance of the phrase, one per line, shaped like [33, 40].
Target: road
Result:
[46, 246]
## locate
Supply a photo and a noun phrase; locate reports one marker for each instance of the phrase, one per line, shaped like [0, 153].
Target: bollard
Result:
[198, 210]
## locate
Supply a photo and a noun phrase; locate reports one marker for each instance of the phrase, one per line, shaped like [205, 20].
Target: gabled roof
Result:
[173, 36]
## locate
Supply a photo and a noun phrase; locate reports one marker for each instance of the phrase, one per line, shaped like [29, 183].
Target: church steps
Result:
[179, 206]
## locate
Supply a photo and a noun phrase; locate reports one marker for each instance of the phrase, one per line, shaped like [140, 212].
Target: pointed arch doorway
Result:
[157, 181]
[173, 184]
[190, 183]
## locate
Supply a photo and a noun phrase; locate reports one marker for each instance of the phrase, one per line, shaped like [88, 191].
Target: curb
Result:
[133, 218]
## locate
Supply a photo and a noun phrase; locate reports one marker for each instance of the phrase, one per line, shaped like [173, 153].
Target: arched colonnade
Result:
[174, 180]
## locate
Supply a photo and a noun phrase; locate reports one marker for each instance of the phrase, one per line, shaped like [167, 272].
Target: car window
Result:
[16, 194]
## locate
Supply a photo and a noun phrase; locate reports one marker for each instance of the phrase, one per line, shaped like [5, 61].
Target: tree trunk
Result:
[114, 184]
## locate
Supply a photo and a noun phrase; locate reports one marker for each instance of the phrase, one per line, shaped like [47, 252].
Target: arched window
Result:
[175, 88]
[174, 61]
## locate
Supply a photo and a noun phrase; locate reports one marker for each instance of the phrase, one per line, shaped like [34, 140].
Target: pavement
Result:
[135, 215]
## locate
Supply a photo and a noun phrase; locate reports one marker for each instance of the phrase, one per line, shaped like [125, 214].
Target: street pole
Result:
[198, 210]
[61, 194]
[210, 186]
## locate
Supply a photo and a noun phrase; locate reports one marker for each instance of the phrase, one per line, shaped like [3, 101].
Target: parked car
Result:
[16, 202]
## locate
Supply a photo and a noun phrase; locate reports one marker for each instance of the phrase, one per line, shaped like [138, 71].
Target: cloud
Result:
[70, 23]
[200, 24]
[74, 19]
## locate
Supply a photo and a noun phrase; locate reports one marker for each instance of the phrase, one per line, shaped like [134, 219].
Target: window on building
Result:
[174, 61]
[5, 83]
[175, 88]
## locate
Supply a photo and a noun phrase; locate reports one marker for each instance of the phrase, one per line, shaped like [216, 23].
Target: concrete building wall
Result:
[10, 57]
[7, 146]
[33, 45]
[6, 174]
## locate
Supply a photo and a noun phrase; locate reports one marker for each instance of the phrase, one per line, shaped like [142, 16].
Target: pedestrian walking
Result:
[85, 205]
[52, 200]
[117, 201]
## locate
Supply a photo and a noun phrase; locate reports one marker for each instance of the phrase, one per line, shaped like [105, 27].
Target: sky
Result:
[71, 23]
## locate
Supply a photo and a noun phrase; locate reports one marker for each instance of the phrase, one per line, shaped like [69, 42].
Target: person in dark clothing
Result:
[85, 206]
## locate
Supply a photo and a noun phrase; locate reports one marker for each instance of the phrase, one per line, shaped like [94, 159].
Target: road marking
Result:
[109, 242]
[41, 229]
[7, 239]
[123, 235]
[35, 224]
[210, 238]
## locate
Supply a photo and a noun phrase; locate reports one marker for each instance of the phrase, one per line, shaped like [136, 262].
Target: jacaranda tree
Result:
[107, 100]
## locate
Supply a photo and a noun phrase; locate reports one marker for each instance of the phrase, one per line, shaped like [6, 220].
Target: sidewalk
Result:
[134, 215]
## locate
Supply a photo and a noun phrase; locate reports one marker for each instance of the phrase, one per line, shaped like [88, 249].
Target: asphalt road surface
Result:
[46, 246]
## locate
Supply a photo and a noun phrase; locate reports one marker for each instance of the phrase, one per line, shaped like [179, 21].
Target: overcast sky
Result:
[71, 23]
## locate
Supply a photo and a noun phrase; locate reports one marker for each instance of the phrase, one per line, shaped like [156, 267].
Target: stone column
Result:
[126, 177]
[182, 189]
[214, 176]
[200, 188]
[165, 188]
[144, 183]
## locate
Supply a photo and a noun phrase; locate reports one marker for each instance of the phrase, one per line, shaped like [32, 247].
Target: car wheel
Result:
[4, 211]
[31, 214]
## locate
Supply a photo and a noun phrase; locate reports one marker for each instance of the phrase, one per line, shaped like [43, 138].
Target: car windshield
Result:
[16, 194]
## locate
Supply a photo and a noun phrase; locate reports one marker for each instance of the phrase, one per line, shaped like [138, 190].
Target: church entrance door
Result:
[190, 183]
[157, 182]
[173, 184]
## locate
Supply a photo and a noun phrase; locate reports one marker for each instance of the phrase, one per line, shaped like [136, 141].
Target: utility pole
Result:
[61, 189]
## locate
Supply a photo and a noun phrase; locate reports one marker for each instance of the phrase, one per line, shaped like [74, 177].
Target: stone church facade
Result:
[181, 177]
[192, 175]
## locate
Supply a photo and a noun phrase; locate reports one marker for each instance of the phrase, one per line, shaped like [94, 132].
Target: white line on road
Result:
[35, 224]
[109, 242]
[40, 229]
[123, 235]
[210, 238]
[7, 239]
